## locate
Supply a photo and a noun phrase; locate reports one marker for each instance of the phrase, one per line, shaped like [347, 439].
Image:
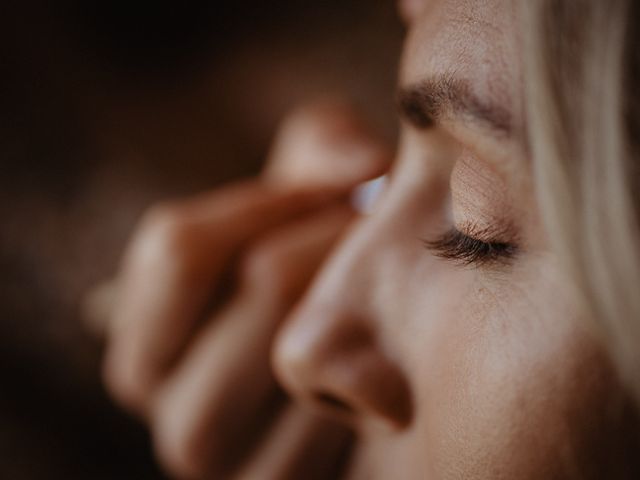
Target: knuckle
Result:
[167, 222]
[166, 236]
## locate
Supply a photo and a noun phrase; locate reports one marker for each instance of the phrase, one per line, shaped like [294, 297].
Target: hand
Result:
[204, 285]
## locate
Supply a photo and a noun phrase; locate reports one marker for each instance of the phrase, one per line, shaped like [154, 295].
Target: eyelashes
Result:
[468, 250]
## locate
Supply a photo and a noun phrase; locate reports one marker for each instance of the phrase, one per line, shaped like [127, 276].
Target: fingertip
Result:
[326, 143]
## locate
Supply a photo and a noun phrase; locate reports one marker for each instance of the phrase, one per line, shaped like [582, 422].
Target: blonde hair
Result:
[581, 82]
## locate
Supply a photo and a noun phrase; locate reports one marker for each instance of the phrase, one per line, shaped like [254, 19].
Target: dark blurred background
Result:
[106, 107]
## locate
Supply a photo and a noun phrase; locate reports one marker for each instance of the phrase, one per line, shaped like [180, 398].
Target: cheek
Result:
[506, 388]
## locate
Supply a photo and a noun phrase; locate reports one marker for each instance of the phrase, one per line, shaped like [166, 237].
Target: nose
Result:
[330, 357]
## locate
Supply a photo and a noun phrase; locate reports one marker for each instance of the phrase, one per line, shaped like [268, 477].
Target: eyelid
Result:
[480, 197]
[469, 250]
[492, 234]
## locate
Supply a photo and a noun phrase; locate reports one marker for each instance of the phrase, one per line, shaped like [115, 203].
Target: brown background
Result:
[106, 107]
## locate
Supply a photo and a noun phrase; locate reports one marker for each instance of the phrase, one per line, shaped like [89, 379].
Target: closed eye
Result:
[469, 250]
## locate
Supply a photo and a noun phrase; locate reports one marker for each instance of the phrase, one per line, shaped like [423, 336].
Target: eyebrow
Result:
[446, 97]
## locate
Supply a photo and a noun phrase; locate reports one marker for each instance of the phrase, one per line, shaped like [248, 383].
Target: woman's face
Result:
[442, 327]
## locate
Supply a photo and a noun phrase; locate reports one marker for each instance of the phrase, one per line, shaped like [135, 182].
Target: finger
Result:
[207, 413]
[176, 259]
[300, 445]
[225, 376]
[99, 302]
[326, 143]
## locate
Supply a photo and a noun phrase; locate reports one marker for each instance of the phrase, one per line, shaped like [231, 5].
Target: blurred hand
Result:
[204, 285]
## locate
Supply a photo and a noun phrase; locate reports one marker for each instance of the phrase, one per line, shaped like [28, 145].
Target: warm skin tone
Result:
[477, 366]
[204, 286]
[494, 357]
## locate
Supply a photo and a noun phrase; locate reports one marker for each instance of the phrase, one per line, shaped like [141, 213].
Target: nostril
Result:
[331, 401]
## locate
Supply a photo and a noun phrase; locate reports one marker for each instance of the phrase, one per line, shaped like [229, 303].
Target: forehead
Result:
[474, 39]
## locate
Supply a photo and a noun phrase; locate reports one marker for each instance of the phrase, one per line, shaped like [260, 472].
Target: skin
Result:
[204, 286]
[442, 370]
[493, 371]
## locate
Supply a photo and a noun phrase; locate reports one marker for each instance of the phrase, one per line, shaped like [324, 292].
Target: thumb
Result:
[326, 144]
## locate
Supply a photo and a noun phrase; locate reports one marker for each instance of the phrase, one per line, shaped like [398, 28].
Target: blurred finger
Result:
[176, 260]
[326, 143]
[206, 414]
[300, 445]
[225, 376]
